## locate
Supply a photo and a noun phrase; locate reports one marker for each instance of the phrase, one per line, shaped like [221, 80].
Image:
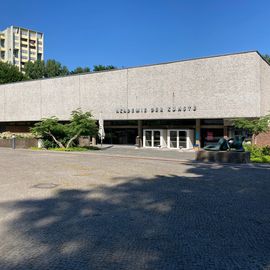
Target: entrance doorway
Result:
[120, 136]
[178, 138]
[152, 138]
[211, 135]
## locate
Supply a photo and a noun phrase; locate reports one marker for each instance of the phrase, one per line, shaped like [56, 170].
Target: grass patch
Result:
[71, 149]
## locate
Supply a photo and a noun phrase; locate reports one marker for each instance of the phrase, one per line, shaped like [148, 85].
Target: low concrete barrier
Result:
[84, 141]
[223, 156]
[20, 143]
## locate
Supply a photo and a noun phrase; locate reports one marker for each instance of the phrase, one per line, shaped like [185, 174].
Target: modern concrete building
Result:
[20, 45]
[173, 105]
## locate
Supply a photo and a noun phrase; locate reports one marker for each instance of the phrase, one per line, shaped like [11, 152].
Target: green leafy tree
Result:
[101, 67]
[81, 124]
[254, 126]
[41, 69]
[79, 70]
[35, 70]
[267, 58]
[55, 69]
[64, 135]
[10, 73]
[50, 128]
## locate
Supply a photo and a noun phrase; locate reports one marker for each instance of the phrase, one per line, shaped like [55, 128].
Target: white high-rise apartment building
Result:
[19, 45]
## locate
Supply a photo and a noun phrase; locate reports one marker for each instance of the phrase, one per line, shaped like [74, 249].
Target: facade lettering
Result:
[157, 109]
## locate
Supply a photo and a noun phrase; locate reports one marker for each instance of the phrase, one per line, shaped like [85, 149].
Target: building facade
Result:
[20, 45]
[174, 105]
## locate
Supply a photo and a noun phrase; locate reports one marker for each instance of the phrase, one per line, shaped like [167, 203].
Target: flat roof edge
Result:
[147, 65]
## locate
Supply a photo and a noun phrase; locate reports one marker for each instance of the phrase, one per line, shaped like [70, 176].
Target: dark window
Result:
[120, 136]
[169, 123]
[212, 121]
[2, 44]
[16, 52]
[211, 135]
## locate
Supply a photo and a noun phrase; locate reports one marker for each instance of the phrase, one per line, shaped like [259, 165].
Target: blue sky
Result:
[137, 32]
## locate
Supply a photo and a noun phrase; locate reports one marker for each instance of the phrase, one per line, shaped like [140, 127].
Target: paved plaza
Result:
[108, 210]
[154, 153]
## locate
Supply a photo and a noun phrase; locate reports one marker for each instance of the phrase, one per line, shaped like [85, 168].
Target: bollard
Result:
[13, 141]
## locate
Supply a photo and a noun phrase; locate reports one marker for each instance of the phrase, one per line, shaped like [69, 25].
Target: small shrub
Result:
[266, 159]
[256, 160]
[9, 135]
[263, 159]
[49, 144]
[266, 150]
[258, 154]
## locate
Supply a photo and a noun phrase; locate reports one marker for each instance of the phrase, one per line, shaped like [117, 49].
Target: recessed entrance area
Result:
[153, 138]
[211, 135]
[171, 138]
[120, 136]
[180, 138]
[174, 134]
[177, 139]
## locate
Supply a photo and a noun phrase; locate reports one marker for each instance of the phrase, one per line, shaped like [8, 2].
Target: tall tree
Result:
[35, 70]
[41, 69]
[10, 73]
[101, 67]
[79, 70]
[55, 69]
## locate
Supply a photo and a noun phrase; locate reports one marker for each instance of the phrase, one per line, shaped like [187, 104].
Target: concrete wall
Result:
[265, 87]
[219, 87]
[24, 143]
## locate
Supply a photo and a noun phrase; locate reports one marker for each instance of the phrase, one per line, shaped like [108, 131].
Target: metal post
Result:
[225, 131]
[139, 133]
[198, 133]
[13, 141]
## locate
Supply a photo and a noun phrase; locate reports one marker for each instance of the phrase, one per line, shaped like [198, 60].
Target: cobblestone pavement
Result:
[79, 211]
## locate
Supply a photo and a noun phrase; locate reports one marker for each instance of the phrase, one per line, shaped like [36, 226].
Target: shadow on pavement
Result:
[216, 218]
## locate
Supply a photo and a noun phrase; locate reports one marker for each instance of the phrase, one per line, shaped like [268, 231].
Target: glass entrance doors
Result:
[152, 138]
[148, 138]
[182, 139]
[171, 138]
[156, 138]
[173, 143]
[177, 138]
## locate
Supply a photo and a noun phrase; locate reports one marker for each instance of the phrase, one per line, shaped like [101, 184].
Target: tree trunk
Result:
[71, 140]
[56, 141]
[254, 139]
